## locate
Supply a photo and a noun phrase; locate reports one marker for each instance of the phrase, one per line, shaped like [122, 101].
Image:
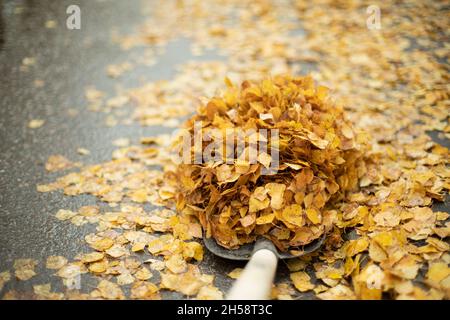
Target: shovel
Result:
[255, 282]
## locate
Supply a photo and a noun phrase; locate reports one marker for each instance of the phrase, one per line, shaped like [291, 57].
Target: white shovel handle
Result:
[255, 282]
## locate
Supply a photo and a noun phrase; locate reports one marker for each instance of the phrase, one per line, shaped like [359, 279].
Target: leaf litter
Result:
[353, 157]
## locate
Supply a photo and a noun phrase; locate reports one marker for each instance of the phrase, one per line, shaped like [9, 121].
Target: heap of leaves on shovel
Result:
[320, 159]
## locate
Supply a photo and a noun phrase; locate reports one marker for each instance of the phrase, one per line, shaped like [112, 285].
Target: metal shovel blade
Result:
[244, 252]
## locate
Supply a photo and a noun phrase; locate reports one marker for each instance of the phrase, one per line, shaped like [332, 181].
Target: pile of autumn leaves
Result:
[320, 158]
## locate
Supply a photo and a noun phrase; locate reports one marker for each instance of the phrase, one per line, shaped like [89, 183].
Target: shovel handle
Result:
[255, 282]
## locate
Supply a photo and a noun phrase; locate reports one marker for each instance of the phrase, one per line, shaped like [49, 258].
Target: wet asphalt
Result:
[67, 61]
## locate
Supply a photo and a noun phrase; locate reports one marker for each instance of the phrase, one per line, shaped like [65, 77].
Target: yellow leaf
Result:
[293, 214]
[302, 281]
[268, 218]
[276, 192]
[314, 215]
[438, 271]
